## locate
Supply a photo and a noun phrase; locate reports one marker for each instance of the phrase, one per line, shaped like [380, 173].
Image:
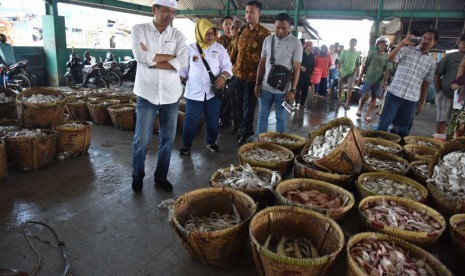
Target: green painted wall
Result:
[55, 48]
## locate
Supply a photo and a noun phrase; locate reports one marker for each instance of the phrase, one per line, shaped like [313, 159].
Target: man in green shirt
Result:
[445, 73]
[349, 63]
[376, 70]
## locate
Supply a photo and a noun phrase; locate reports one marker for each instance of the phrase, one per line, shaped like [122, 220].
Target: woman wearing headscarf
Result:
[306, 70]
[200, 98]
[323, 61]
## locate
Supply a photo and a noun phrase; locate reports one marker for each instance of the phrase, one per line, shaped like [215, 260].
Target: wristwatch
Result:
[292, 90]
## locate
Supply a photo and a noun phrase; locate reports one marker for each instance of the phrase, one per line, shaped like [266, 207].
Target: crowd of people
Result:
[226, 76]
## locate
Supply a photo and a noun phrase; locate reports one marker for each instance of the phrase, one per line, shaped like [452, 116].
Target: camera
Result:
[288, 107]
[416, 40]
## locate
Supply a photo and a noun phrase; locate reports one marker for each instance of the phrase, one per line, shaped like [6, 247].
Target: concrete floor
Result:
[108, 230]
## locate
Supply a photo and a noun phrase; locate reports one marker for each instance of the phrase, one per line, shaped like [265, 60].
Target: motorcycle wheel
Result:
[115, 80]
[70, 82]
[26, 82]
[97, 83]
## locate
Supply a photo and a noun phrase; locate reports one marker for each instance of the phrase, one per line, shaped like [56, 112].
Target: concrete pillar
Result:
[54, 35]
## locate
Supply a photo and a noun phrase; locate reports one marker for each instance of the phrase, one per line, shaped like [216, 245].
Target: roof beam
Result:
[145, 10]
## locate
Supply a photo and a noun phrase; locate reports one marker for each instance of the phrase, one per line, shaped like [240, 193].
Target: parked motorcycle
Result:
[128, 69]
[79, 73]
[19, 77]
[113, 71]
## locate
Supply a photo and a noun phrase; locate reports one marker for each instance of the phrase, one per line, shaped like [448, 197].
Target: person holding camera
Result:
[281, 56]
[407, 92]
[207, 60]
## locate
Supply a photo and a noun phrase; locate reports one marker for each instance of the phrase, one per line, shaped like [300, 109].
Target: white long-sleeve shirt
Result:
[198, 81]
[158, 86]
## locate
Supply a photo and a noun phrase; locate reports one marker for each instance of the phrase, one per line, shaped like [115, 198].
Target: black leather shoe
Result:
[213, 147]
[184, 150]
[242, 141]
[164, 184]
[137, 185]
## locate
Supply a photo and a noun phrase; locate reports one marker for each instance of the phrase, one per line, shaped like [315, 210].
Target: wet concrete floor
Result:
[109, 230]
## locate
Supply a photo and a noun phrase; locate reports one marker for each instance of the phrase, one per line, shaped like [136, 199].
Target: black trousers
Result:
[244, 104]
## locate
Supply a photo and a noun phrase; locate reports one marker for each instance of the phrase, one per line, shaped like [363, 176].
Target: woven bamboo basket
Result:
[307, 170]
[304, 184]
[295, 147]
[347, 157]
[420, 238]
[385, 156]
[3, 161]
[284, 166]
[385, 143]
[414, 152]
[123, 116]
[444, 203]
[458, 238]
[73, 139]
[415, 174]
[414, 140]
[219, 248]
[353, 269]
[98, 111]
[460, 139]
[286, 221]
[381, 135]
[365, 192]
[262, 196]
[8, 122]
[31, 153]
[40, 115]
[78, 110]
[8, 108]
[5, 129]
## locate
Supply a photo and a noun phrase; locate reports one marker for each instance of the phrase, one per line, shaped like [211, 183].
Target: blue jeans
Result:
[194, 110]
[265, 102]
[332, 79]
[168, 117]
[399, 109]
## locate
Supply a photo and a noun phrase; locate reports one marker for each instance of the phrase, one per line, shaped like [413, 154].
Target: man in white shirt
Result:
[160, 51]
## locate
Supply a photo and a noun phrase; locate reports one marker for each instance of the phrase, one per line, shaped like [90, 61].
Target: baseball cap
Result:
[167, 3]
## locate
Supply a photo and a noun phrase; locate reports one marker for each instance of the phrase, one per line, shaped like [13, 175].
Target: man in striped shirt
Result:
[406, 95]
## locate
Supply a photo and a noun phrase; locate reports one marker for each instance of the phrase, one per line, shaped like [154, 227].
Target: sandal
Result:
[359, 113]
[368, 119]
[346, 107]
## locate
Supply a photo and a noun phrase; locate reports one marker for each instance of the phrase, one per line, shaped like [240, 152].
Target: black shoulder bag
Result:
[219, 92]
[279, 76]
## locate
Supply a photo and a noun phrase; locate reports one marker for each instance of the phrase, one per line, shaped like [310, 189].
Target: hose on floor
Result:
[61, 244]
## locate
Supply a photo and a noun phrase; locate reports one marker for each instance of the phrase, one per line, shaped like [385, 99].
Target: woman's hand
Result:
[220, 82]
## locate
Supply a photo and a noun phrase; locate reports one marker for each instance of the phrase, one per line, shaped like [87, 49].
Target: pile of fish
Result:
[265, 155]
[421, 169]
[324, 144]
[246, 178]
[378, 258]
[294, 247]
[449, 174]
[385, 165]
[315, 198]
[4, 98]
[401, 217]
[424, 143]
[460, 227]
[41, 99]
[6, 129]
[213, 223]
[73, 125]
[386, 186]
[280, 140]
[124, 108]
[385, 148]
[25, 133]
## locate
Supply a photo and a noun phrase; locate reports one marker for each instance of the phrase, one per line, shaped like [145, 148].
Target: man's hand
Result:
[385, 86]
[303, 69]
[420, 107]
[406, 40]
[258, 90]
[289, 97]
